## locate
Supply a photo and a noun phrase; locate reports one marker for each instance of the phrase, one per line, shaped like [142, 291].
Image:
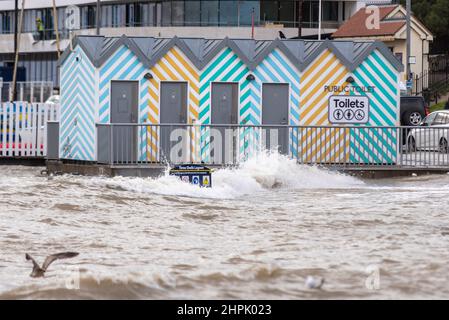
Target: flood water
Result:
[258, 233]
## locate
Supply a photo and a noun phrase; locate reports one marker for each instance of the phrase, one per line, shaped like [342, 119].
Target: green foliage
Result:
[437, 107]
[435, 16]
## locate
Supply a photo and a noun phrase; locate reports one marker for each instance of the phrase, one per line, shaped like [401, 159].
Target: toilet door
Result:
[275, 103]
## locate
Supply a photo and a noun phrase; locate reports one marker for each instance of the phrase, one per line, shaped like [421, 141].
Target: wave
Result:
[136, 285]
[264, 171]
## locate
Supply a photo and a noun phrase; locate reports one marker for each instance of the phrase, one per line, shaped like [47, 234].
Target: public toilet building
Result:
[306, 85]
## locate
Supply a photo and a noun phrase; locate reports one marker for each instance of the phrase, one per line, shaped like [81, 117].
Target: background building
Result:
[392, 31]
[192, 18]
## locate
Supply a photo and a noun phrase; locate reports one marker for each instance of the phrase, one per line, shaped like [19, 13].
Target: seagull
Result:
[40, 271]
[314, 283]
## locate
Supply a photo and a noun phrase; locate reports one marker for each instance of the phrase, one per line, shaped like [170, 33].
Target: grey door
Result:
[124, 109]
[224, 111]
[275, 101]
[173, 111]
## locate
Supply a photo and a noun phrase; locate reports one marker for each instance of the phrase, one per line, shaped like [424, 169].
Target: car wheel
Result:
[443, 146]
[411, 144]
[415, 118]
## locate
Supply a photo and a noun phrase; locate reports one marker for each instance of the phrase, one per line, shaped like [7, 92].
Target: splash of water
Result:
[262, 172]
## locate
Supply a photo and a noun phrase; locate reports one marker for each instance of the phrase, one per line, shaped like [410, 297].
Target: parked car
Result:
[413, 110]
[432, 135]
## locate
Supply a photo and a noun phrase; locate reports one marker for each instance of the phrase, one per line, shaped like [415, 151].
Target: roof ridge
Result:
[200, 51]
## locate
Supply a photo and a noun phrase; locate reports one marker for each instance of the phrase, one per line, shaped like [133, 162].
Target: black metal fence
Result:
[430, 82]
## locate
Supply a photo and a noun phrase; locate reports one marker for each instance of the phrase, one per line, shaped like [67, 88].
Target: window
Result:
[330, 11]
[229, 13]
[193, 13]
[138, 8]
[47, 18]
[441, 118]
[177, 13]
[246, 10]
[269, 10]
[306, 14]
[314, 12]
[166, 13]
[133, 14]
[399, 55]
[209, 12]
[151, 14]
[88, 17]
[310, 12]
[116, 15]
[113, 16]
[287, 13]
[92, 16]
[429, 119]
[5, 18]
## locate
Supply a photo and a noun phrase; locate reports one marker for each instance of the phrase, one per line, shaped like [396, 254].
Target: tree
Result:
[435, 15]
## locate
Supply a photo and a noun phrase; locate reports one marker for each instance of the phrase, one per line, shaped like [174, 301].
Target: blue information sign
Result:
[194, 174]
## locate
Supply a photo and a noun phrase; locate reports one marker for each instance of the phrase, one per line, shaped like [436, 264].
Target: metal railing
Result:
[31, 91]
[354, 146]
[433, 80]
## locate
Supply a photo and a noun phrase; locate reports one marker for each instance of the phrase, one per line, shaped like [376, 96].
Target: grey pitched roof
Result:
[201, 51]
[209, 45]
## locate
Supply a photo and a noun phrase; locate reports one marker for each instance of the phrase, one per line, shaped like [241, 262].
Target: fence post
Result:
[52, 140]
[111, 160]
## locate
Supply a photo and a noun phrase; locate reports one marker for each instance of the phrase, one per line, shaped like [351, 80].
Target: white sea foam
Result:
[262, 172]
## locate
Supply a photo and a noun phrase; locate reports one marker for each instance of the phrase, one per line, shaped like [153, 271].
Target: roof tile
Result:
[356, 25]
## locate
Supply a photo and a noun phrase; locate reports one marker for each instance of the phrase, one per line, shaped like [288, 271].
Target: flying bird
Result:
[39, 271]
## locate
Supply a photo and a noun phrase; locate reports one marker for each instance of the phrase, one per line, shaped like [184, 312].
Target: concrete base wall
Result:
[156, 170]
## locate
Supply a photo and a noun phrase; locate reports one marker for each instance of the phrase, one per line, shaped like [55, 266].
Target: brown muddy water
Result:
[258, 233]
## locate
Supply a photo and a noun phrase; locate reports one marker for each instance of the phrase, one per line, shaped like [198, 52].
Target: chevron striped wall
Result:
[320, 145]
[226, 67]
[377, 147]
[122, 65]
[85, 98]
[77, 123]
[276, 68]
[174, 66]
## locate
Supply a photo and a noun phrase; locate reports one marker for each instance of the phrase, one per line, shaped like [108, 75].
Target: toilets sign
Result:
[348, 110]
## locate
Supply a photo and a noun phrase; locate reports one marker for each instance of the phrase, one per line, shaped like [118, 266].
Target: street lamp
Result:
[98, 17]
[319, 20]
[408, 54]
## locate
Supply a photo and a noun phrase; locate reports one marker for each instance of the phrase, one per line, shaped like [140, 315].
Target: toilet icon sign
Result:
[348, 109]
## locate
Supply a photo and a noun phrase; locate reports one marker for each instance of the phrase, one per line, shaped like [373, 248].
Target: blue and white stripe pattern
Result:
[77, 136]
[377, 146]
[277, 68]
[122, 65]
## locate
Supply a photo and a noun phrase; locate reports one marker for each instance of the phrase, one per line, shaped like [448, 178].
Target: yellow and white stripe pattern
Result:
[321, 145]
[173, 66]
